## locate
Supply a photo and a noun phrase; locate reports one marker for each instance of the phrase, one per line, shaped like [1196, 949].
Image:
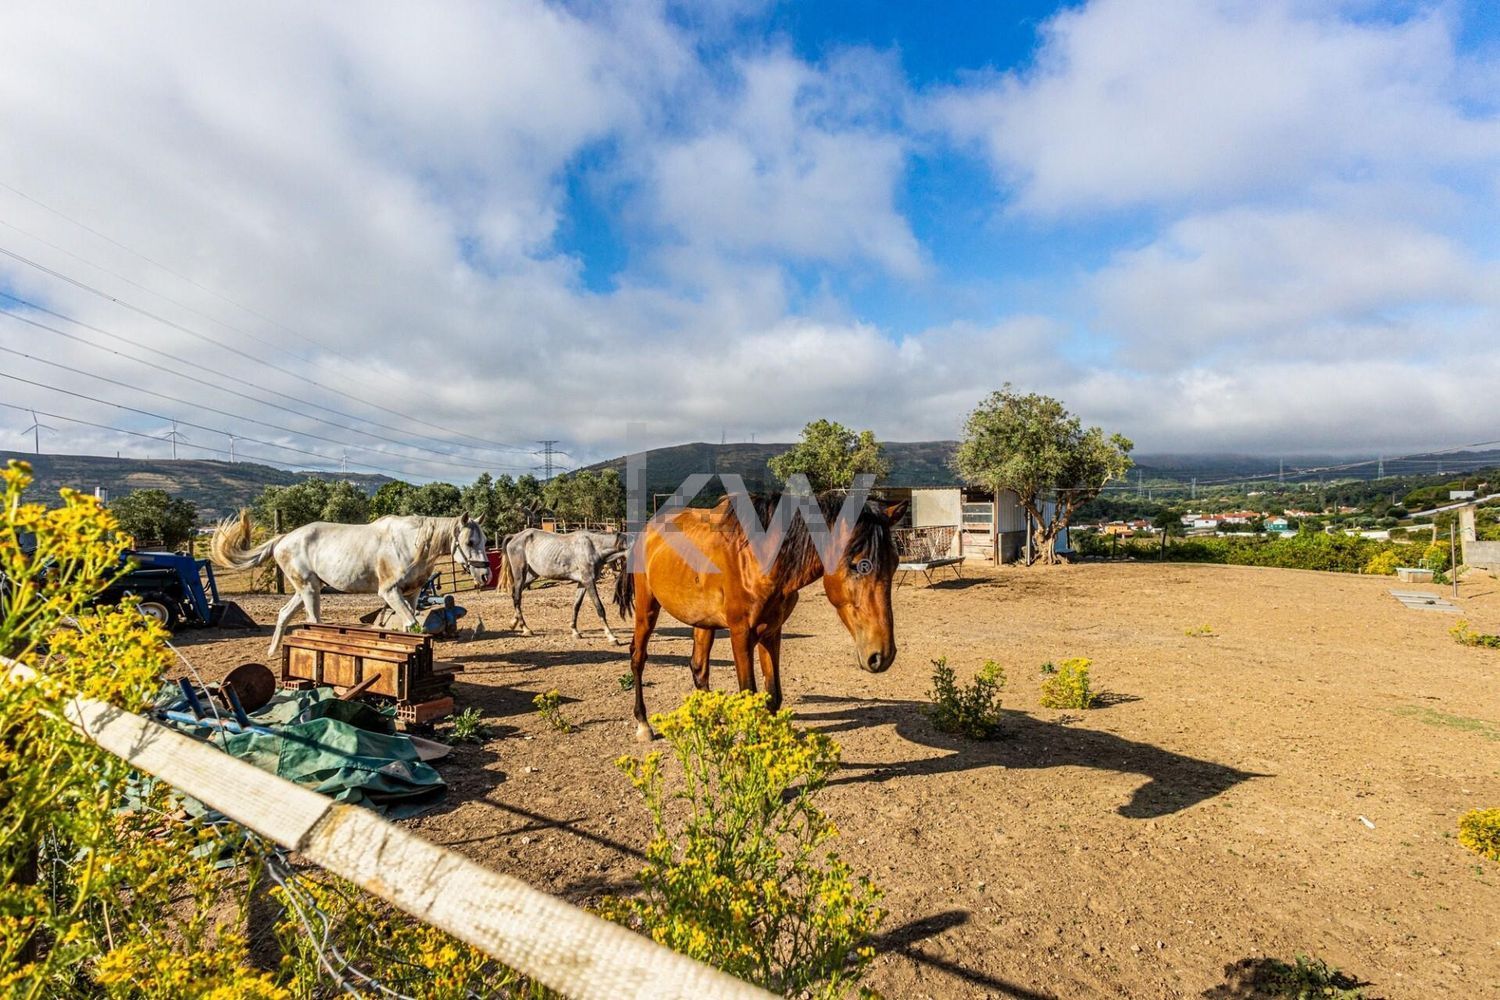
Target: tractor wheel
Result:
[154, 607]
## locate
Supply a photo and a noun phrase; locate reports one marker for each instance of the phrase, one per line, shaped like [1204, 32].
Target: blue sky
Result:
[1209, 224]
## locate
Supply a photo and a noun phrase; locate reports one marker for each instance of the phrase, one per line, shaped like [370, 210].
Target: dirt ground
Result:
[1289, 783]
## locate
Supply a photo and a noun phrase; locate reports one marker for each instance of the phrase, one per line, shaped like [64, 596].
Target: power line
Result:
[211, 291]
[197, 426]
[85, 286]
[238, 416]
[222, 389]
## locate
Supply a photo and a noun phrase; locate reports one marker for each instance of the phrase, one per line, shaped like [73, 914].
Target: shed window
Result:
[979, 513]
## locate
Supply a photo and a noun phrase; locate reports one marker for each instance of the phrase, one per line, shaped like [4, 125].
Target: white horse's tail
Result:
[231, 546]
[507, 577]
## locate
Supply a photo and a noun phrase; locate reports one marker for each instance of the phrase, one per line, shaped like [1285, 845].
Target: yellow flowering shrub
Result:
[1479, 831]
[739, 872]
[1383, 563]
[381, 943]
[1069, 686]
[94, 899]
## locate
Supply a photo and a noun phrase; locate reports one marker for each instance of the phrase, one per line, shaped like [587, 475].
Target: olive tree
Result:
[830, 455]
[155, 517]
[1030, 444]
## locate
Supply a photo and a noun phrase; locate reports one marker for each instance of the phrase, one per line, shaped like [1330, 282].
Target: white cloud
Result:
[794, 160]
[391, 185]
[1172, 102]
[1289, 283]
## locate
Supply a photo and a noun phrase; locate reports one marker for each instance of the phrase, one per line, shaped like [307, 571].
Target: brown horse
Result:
[751, 603]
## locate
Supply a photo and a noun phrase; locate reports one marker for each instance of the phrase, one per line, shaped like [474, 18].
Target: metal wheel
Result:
[159, 610]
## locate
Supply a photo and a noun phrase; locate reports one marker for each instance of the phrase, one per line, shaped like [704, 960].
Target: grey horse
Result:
[579, 556]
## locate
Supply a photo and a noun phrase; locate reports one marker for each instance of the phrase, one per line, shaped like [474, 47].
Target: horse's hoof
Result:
[577, 634]
[614, 640]
[643, 733]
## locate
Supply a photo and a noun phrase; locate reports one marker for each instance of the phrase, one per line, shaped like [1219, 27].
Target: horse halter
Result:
[462, 558]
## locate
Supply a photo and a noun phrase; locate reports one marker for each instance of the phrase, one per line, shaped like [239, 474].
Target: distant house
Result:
[1279, 524]
[1300, 513]
[1238, 517]
[1204, 522]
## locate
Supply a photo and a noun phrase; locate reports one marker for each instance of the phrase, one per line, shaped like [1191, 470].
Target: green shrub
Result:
[1069, 687]
[549, 707]
[739, 872]
[1479, 831]
[1307, 979]
[1383, 563]
[971, 711]
[468, 727]
[1304, 550]
[1462, 633]
[626, 682]
[1199, 631]
[1437, 557]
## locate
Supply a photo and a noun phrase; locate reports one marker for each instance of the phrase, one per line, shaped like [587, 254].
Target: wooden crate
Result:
[343, 656]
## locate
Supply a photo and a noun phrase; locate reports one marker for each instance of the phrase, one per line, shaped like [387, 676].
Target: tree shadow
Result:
[1176, 781]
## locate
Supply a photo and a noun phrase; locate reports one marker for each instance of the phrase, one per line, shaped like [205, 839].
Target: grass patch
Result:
[1432, 717]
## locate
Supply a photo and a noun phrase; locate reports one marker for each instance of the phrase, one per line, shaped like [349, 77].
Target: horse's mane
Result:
[872, 537]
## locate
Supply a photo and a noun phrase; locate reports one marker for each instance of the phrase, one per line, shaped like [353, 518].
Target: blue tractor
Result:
[175, 589]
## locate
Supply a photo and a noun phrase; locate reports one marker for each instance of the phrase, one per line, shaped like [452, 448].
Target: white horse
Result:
[534, 554]
[392, 556]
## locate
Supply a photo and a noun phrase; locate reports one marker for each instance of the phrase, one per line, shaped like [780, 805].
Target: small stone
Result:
[1136, 948]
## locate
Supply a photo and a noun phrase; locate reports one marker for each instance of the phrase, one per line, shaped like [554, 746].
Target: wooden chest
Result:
[397, 665]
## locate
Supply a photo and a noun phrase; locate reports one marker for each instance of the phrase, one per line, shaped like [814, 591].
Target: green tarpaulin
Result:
[345, 750]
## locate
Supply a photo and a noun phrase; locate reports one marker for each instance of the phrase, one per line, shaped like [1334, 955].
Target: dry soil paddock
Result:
[1214, 810]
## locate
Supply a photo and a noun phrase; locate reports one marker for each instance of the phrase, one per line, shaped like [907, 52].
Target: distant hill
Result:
[929, 463]
[218, 488]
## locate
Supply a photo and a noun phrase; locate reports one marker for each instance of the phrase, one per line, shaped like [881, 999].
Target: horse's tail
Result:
[625, 590]
[231, 546]
[507, 576]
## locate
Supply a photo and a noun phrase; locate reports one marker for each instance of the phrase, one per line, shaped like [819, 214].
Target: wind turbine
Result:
[36, 429]
[173, 436]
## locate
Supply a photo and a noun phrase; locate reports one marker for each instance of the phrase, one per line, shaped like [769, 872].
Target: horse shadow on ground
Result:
[903, 940]
[1176, 781]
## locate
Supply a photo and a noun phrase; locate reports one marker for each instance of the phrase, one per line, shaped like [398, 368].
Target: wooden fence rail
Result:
[572, 951]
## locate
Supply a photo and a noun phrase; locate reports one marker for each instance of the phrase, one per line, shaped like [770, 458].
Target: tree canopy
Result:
[154, 517]
[584, 496]
[830, 455]
[1032, 445]
[313, 499]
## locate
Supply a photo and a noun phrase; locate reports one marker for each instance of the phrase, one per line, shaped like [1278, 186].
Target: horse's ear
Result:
[463, 518]
[896, 511]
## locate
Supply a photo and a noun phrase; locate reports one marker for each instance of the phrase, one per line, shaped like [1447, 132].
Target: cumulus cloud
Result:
[379, 205]
[1180, 102]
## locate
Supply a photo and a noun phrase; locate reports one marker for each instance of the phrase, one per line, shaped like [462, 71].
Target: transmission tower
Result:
[548, 454]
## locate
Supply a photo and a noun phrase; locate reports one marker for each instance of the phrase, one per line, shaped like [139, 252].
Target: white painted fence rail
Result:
[540, 935]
